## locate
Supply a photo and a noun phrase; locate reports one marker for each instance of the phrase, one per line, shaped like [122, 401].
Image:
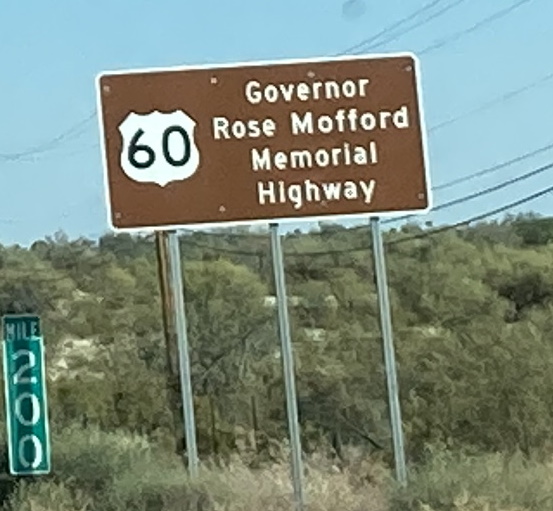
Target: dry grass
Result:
[326, 488]
[98, 471]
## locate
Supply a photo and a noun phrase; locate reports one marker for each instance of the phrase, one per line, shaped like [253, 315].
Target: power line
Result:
[432, 232]
[481, 193]
[492, 169]
[486, 21]
[476, 218]
[500, 99]
[369, 43]
[420, 23]
[51, 156]
[391, 27]
[76, 129]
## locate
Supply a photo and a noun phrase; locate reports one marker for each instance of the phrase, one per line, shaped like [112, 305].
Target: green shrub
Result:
[90, 459]
[95, 461]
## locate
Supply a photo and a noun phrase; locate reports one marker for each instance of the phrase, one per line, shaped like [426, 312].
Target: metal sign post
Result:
[388, 348]
[177, 293]
[26, 397]
[288, 366]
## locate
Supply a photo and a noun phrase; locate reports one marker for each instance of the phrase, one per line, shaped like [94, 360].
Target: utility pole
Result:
[172, 381]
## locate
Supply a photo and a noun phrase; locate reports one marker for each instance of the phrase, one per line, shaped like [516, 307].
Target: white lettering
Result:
[351, 190]
[340, 118]
[301, 125]
[312, 191]
[253, 95]
[325, 124]
[317, 90]
[252, 128]
[295, 195]
[368, 189]
[281, 191]
[368, 121]
[363, 82]
[335, 153]
[38, 452]
[332, 190]
[301, 159]
[255, 92]
[21, 330]
[299, 194]
[308, 124]
[10, 332]
[270, 94]
[401, 118]
[303, 91]
[34, 406]
[332, 90]
[287, 91]
[372, 154]
[18, 377]
[280, 160]
[267, 193]
[322, 158]
[360, 156]
[352, 118]
[346, 154]
[238, 129]
[261, 161]
[384, 116]
[349, 89]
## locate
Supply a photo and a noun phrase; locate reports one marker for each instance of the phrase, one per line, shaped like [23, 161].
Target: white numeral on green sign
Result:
[35, 407]
[18, 377]
[25, 396]
[37, 449]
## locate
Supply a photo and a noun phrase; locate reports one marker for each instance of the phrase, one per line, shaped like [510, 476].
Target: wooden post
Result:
[173, 388]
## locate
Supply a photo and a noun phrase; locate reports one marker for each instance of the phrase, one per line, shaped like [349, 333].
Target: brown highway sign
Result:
[266, 141]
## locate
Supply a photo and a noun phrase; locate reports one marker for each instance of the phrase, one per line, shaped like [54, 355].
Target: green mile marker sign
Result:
[25, 396]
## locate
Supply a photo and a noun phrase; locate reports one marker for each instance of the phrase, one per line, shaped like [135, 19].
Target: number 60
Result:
[135, 148]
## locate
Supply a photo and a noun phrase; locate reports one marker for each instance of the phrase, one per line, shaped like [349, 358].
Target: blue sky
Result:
[50, 53]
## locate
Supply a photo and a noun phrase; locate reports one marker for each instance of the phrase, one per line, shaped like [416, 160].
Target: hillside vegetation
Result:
[473, 322]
